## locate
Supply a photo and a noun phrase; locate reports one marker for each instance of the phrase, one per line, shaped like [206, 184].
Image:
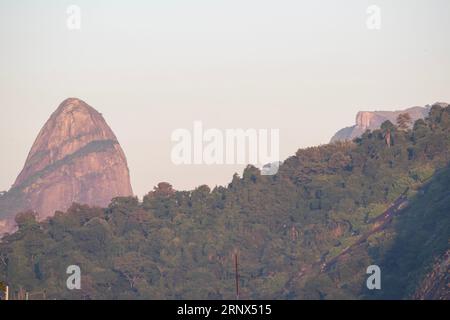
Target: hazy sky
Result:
[150, 67]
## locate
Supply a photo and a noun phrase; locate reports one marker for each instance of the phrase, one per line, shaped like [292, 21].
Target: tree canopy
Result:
[181, 244]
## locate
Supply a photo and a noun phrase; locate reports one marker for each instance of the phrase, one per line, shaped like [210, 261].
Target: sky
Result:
[151, 67]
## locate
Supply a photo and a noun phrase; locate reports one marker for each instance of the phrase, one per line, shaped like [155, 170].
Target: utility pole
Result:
[237, 274]
[7, 293]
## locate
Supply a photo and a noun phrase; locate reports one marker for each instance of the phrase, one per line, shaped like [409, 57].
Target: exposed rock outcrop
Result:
[372, 120]
[75, 158]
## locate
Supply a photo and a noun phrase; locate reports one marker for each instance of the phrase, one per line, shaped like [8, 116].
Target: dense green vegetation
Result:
[422, 234]
[180, 244]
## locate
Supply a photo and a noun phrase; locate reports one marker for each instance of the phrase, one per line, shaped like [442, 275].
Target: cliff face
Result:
[372, 120]
[365, 119]
[75, 158]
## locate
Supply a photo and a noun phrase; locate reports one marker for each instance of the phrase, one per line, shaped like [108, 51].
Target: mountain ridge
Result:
[372, 120]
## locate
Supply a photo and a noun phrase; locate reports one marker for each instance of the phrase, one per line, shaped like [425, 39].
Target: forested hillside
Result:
[308, 232]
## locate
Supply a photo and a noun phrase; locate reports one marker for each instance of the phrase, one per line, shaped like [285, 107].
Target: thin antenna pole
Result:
[237, 274]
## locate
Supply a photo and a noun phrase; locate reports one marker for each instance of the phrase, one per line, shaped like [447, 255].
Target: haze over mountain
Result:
[76, 158]
[372, 120]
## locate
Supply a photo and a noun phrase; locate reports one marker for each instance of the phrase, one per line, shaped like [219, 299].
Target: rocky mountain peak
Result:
[372, 120]
[71, 127]
[75, 158]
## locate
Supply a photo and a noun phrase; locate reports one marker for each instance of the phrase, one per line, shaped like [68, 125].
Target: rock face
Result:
[372, 120]
[75, 158]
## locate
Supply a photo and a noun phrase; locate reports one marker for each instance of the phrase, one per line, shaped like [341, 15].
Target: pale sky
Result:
[150, 67]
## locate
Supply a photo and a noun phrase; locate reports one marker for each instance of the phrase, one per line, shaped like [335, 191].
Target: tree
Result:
[129, 266]
[404, 121]
[26, 219]
[387, 127]
[163, 189]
